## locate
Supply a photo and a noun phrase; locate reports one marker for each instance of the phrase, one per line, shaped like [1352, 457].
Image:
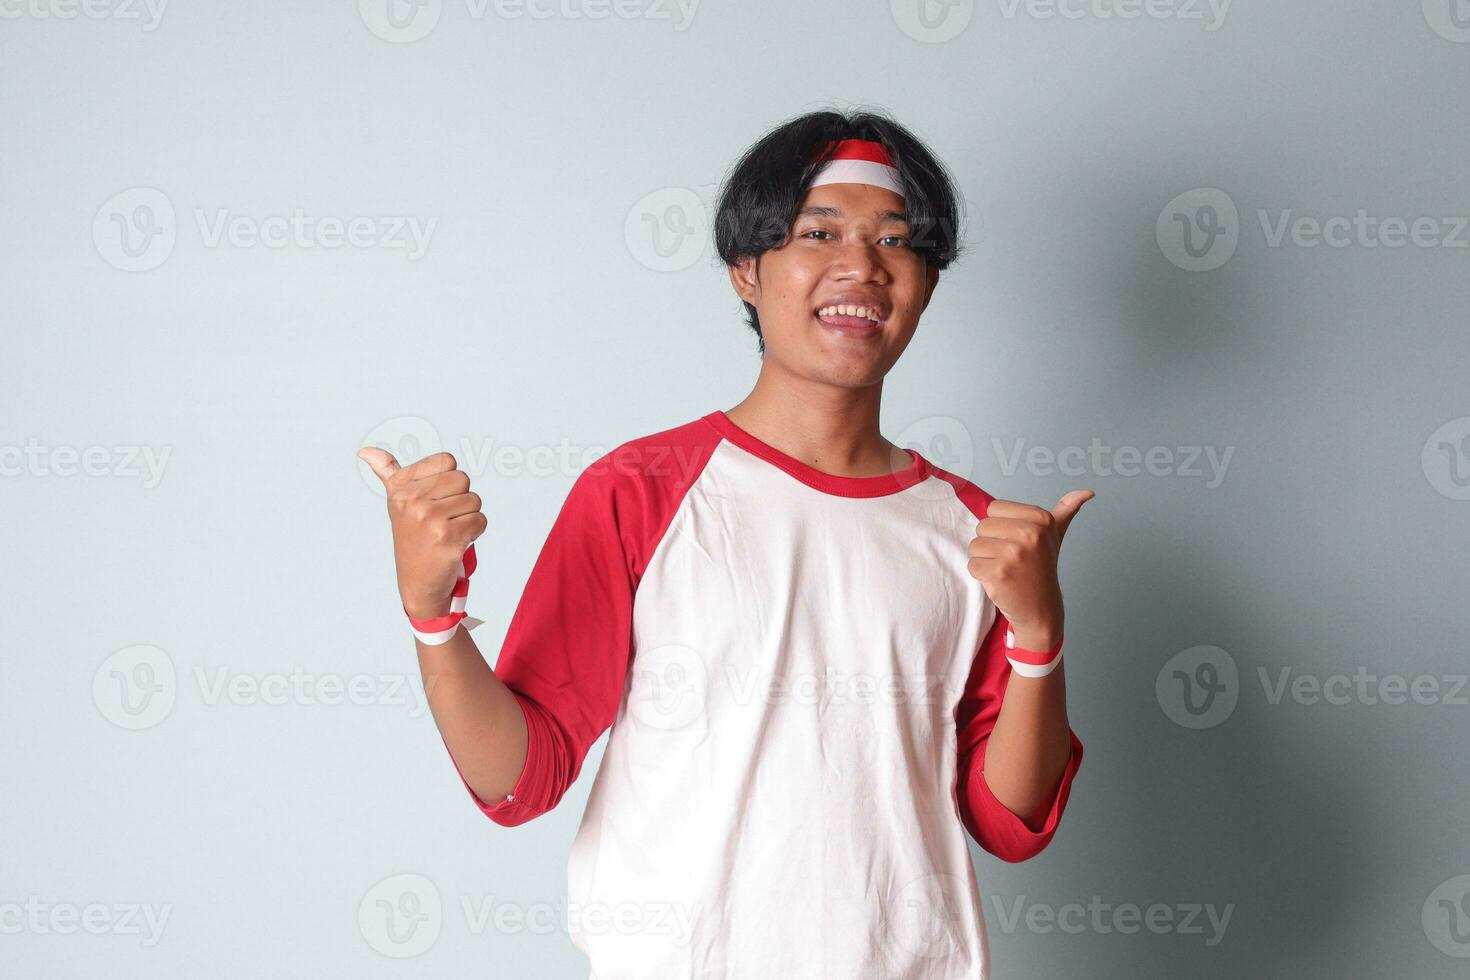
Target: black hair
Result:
[761, 193]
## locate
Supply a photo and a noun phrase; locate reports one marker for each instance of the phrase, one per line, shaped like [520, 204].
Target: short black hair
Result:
[760, 195]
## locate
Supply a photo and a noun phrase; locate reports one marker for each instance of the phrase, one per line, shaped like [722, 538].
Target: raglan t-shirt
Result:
[800, 675]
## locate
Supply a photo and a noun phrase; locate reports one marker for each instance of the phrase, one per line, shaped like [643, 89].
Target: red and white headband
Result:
[860, 162]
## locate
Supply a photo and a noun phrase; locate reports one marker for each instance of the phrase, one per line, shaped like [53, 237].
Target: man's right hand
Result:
[435, 516]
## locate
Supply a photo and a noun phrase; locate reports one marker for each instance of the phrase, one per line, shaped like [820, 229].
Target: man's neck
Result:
[829, 428]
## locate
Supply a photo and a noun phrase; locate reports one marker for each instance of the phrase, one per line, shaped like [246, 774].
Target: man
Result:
[823, 659]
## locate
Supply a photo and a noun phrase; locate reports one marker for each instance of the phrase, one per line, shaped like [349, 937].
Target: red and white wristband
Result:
[1031, 663]
[441, 629]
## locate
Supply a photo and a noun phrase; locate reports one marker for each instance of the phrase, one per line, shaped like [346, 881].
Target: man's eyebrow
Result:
[823, 211]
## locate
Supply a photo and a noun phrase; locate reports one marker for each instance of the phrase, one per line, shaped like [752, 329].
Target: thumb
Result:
[380, 461]
[1067, 508]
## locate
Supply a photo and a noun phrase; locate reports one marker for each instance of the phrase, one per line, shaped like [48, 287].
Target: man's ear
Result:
[743, 277]
[933, 277]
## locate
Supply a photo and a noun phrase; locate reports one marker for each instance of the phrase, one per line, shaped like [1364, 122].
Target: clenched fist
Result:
[1014, 555]
[435, 516]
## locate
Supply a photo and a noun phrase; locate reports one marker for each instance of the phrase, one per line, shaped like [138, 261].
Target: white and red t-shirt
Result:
[800, 675]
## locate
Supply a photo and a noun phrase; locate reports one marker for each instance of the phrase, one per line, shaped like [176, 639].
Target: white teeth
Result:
[847, 310]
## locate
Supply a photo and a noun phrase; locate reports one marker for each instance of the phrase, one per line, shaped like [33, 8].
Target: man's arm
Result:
[1031, 742]
[434, 517]
[479, 718]
[517, 734]
[1017, 827]
[1018, 753]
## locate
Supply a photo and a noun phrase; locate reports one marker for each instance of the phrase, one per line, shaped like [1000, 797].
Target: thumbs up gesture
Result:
[1014, 556]
[435, 516]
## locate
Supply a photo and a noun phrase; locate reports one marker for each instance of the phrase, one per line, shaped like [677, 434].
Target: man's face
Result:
[849, 246]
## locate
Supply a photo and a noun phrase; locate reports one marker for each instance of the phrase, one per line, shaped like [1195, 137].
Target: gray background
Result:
[545, 315]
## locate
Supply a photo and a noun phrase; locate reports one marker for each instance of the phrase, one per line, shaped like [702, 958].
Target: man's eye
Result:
[815, 231]
[901, 239]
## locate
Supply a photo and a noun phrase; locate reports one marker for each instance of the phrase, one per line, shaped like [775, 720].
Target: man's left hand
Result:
[1014, 556]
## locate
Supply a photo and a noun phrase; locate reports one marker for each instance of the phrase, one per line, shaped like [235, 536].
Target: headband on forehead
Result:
[860, 162]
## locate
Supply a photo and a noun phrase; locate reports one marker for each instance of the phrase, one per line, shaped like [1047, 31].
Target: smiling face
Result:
[840, 299]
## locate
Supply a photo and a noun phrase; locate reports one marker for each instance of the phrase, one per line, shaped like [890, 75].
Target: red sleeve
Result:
[988, 820]
[567, 647]
[569, 644]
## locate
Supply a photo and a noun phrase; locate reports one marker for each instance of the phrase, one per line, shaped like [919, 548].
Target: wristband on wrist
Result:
[440, 629]
[1032, 663]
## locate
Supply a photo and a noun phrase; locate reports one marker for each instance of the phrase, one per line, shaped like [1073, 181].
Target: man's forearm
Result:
[478, 716]
[1028, 748]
